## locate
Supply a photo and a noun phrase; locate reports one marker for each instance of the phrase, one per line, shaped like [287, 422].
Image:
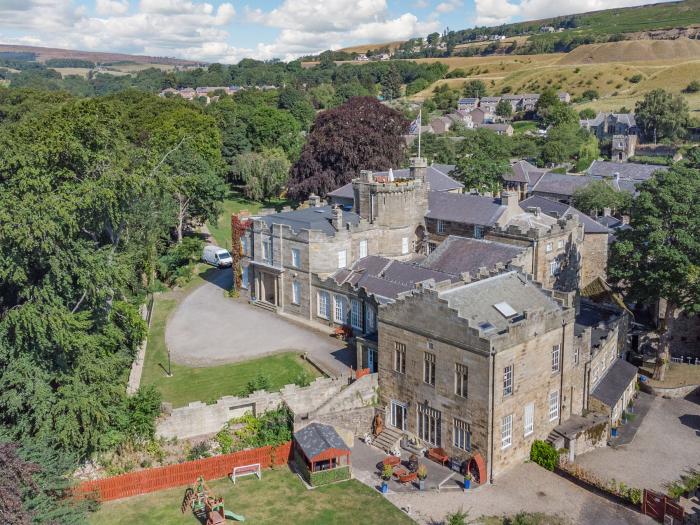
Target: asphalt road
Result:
[208, 328]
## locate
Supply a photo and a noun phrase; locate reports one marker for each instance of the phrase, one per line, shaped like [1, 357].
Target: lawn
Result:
[234, 203]
[208, 384]
[279, 497]
[522, 126]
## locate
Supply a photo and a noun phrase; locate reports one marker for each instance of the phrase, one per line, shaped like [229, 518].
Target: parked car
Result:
[216, 256]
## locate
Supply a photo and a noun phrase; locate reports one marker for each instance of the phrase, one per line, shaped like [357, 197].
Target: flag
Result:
[415, 126]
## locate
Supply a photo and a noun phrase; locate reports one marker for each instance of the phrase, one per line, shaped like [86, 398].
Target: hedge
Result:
[544, 454]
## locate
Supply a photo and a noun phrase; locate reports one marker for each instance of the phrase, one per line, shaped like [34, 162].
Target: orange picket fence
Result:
[154, 479]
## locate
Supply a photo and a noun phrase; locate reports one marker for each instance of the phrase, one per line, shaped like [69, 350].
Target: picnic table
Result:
[392, 461]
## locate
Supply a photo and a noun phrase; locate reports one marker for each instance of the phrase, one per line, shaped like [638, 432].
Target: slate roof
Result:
[456, 255]
[387, 278]
[436, 175]
[468, 209]
[560, 184]
[318, 218]
[557, 209]
[523, 171]
[476, 301]
[625, 170]
[618, 377]
[609, 221]
[490, 99]
[598, 318]
[316, 438]
[469, 100]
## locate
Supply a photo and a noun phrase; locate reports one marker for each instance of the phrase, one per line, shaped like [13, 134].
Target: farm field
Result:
[279, 497]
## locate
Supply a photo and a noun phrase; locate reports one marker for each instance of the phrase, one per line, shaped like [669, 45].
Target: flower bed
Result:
[611, 489]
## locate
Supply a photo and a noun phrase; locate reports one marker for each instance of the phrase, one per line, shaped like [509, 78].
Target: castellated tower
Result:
[393, 202]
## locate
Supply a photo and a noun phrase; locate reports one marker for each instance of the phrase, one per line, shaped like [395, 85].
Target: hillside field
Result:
[621, 72]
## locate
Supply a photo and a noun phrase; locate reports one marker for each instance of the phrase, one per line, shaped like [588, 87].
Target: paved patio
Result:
[208, 328]
[364, 466]
[666, 443]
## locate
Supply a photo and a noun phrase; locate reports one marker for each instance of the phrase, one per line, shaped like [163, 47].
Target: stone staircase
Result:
[388, 440]
[556, 440]
[264, 305]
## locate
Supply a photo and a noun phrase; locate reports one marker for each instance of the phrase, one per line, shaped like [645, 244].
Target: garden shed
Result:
[321, 454]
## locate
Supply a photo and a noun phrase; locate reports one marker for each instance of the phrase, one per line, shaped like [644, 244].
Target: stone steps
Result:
[556, 440]
[388, 440]
[265, 306]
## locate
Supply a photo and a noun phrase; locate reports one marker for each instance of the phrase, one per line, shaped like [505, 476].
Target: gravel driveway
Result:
[209, 329]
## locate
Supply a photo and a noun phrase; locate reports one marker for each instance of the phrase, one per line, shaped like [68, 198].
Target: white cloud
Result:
[495, 12]
[308, 26]
[448, 7]
[111, 7]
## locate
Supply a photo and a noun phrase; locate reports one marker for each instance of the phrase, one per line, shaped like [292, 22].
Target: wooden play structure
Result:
[208, 508]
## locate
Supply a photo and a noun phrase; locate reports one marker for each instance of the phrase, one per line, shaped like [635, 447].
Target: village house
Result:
[623, 147]
[605, 125]
[467, 104]
[498, 129]
[522, 178]
[488, 104]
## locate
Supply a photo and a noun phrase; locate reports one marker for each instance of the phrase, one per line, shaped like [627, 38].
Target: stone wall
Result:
[197, 418]
[594, 257]
[333, 398]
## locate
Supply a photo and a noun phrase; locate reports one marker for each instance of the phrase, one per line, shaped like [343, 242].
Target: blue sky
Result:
[228, 30]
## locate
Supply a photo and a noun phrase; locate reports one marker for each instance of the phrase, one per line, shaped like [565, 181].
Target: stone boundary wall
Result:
[680, 391]
[332, 394]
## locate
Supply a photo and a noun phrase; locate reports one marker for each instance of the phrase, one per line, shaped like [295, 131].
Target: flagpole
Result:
[420, 124]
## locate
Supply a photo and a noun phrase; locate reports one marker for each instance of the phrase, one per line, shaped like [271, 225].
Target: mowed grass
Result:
[279, 497]
[207, 384]
[236, 202]
[522, 126]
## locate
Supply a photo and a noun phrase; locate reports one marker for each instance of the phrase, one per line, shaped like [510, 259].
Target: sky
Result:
[229, 30]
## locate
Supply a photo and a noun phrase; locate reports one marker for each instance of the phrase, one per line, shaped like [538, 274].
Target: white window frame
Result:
[528, 419]
[548, 247]
[556, 358]
[440, 226]
[461, 436]
[370, 319]
[339, 311]
[554, 267]
[399, 357]
[560, 244]
[342, 258]
[577, 351]
[324, 304]
[554, 405]
[296, 258]
[363, 248]
[506, 431]
[244, 245]
[356, 314]
[429, 367]
[296, 292]
[508, 380]
[428, 425]
[404, 245]
[461, 380]
[267, 249]
[432, 246]
[245, 278]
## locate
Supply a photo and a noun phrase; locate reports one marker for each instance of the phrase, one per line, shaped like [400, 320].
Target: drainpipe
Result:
[534, 259]
[493, 390]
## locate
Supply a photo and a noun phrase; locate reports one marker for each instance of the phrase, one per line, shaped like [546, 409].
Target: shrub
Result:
[177, 264]
[544, 455]
[422, 472]
[590, 94]
[199, 451]
[260, 382]
[387, 471]
[225, 440]
[458, 517]
[636, 79]
[693, 87]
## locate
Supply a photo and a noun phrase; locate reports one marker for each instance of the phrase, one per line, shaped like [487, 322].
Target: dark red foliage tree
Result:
[15, 479]
[363, 133]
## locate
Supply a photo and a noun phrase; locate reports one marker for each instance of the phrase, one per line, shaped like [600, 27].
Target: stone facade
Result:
[457, 346]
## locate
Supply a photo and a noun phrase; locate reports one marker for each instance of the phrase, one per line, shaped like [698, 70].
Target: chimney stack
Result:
[606, 212]
[419, 168]
[314, 201]
[337, 217]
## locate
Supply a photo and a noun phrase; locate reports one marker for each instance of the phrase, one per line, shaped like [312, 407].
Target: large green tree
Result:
[264, 174]
[597, 195]
[658, 258]
[661, 114]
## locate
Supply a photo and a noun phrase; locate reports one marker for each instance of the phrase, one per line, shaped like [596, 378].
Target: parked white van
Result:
[217, 256]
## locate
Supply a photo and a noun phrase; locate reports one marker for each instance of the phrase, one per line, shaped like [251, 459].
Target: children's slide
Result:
[233, 516]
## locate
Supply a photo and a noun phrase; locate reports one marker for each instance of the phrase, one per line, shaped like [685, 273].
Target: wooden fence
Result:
[154, 479]
[662, 508]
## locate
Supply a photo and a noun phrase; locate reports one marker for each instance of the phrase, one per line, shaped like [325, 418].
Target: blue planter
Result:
[385, 487]
[613, 432]
[467, 483]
